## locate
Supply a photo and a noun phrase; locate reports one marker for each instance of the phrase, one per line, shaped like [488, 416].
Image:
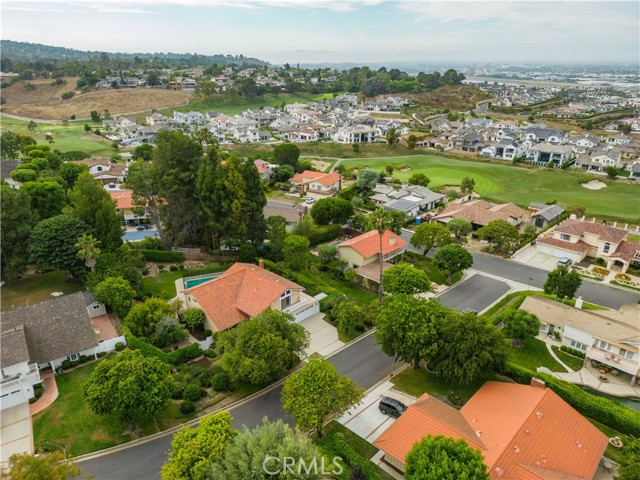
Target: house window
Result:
[603, 345]
[565, 237]
[285, 299]
[626, 353]
[607, 247]
[99, 168]
[73, 357]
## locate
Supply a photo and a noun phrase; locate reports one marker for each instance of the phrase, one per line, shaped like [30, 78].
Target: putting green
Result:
[502, 183]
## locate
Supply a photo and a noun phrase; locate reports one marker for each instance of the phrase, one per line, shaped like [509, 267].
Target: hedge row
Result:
[606, 411]
[572, 351]
[162, 256]
[336, 444]
[174, 357]
[324, 234]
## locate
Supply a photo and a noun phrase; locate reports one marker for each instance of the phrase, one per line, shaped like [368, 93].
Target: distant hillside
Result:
[455, 97]
[29, 52]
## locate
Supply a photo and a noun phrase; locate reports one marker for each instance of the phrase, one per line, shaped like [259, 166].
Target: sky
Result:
[313, 31]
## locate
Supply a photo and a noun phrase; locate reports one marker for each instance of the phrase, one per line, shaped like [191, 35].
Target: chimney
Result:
[537, 383]
[261, 263]
[392, 241]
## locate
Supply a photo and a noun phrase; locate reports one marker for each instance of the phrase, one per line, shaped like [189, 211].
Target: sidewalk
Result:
[49, 395]
[588, 379]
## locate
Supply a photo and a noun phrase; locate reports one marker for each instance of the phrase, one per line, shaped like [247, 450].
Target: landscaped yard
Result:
[37, 288]
[163, 285]
[615, 454]
[534, 354]
[426, 263]
[575, 363]
[418, 381]
[518, 185]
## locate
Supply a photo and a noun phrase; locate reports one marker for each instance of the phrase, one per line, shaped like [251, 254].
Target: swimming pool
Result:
[193, 281]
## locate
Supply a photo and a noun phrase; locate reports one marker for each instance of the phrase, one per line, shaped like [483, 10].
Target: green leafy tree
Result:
[453, 259]
[129, 386]
[32, 126]
[44, 466]
[331, 210]
[261, 349]
[193, 318]
[630, 462]
[316, 392]
[276, 234]
[389, 170]
[393, 137]
[459, 227]
[348, 315]
[52, 244]
[255, 202]
[47, 198]
[500, 233]
[611, 171]
[95, 115]
[143, 152]
[419, 179]
[283, 173]
[296, 251]
[367, 179]
[411, 142]
[116, 293]
[193, 450]
[71, 171]
[250, 448]
[143, 317]
[168, 331]
[92, 204]
[327, 253]
[122, 263]
[17, 219]
[430, 235]
[211, 197]
[407, 327]
[286, 154]
[467, 185]
[88, 250]
[405, 278]
[24, 175]
[443, 458]
[519, 324]
[469, 346]
[563, 283]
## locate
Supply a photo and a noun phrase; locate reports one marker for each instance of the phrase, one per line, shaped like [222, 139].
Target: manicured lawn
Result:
[37, 288]
[323, 282]
[416, 382]
[426, 263]
[518, 185]
[534, 354]
[575, 363]
[232, 107]
[615, 454]
[71, 137]
[163, 285]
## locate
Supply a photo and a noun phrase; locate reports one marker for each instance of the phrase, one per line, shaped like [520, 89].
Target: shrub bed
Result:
[572, 351]
[175, 357]
[162, 256]
[336, 444]
[324, 234]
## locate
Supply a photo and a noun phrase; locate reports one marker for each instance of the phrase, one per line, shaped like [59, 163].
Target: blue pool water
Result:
[192, 282]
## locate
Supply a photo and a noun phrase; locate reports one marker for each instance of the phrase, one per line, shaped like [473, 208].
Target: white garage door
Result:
[312, 309]
[560, 252]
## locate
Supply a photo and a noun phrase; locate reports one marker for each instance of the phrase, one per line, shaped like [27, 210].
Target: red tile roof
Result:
[578, 246]
[241, 292]
[523, 432]
[626, 250]
[480, 212]
[123, 199]
[578, 227]
[326, 179]
[368, 244]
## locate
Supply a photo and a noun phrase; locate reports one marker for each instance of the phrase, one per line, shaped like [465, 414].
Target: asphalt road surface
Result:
[477, 292]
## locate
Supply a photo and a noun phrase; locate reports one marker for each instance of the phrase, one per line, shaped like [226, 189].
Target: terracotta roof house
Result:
[577, 239]
[244, 291]
[44, 335]
[363, 252]
[523, 432]
[610, 337]
[125, 205]
[481, 213]
[317, 182]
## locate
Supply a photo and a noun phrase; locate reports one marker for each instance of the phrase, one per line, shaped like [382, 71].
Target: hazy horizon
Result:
[348, 31]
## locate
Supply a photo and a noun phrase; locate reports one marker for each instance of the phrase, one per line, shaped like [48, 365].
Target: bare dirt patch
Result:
[320, 165]
[45, 101]
[406, 169]
[43, 90]
[594, 185]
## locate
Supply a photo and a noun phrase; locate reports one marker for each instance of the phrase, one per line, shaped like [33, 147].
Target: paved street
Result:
[477, 292]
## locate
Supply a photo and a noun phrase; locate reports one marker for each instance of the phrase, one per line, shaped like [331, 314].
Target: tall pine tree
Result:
[255, 203]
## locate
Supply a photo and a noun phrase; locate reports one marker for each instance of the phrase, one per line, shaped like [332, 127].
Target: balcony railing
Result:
[31, 377]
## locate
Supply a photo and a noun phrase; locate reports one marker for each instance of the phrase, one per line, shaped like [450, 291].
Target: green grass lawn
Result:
[71, 137]
[232, 107]
[518, 185]
[515, 299]
[615, 454]
[37, 288]
[416, 382]
[163, 285]
[534, 354]
[426, 263]
[575, 363]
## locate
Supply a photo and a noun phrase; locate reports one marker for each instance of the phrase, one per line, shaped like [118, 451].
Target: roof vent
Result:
[392, 241]
[578, 444]
[540, 415]
[478, 432]
[499, 471]
[516, 449]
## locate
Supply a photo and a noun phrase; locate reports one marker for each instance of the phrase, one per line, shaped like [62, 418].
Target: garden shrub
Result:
[75, 363]
[572, 351]
[38, 391]
[176, 394]
[210, 353]
[192, 392]
[102, 354]
[162, 256]
[119, 346]
[83, 358]
[324, 234]
[187, 407]
[336, 444]
[173, 268]
[220, 382]
[66, 364]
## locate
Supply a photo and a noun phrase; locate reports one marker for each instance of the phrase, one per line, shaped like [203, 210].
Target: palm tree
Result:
[88, 249]
[380, 221]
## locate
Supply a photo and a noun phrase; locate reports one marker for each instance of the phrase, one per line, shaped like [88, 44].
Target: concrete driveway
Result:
[324, 337]
[17, 434]
[530, 256]
[365, 420]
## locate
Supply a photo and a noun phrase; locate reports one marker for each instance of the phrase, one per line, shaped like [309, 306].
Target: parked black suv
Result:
[391, 406]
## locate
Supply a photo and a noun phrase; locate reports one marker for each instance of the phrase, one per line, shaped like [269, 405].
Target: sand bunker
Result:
[594, 185]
